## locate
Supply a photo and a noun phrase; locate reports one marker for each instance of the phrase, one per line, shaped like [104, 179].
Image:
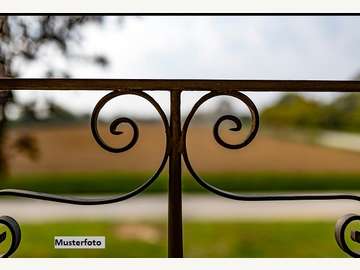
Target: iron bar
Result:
[175, 245]
[179, 85]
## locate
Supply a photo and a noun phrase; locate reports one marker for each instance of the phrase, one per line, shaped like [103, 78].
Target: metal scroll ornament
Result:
[114, 130]
[341, 232]
[216, 133]
[14, 235]
[13, 226]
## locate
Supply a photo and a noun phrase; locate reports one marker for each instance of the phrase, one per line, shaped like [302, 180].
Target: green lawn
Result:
[201, 239]
[115, 182]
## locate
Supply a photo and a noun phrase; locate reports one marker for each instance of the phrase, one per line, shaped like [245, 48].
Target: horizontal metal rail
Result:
[181, 85]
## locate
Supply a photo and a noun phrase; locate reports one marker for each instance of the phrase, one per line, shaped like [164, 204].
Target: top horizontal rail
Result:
[179, 85]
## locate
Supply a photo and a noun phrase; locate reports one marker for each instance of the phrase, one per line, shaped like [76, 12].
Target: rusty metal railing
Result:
[176, 142]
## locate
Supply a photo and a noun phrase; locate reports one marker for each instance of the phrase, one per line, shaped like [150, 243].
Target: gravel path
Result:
[195, 207]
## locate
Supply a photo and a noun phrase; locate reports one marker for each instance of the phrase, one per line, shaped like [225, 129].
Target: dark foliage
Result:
[22, 39]
[294, 110]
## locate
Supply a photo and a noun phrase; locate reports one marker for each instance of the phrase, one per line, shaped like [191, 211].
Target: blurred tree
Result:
[294, 110]
[22, 40]
[344, 113]
[57, 113]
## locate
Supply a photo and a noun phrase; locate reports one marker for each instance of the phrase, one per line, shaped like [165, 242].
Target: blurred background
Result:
[307, 142]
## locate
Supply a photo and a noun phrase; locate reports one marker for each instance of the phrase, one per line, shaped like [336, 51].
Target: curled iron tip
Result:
[15, 232]
[340, 234]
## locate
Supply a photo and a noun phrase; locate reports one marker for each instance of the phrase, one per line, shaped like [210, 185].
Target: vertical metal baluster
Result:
[175, 238]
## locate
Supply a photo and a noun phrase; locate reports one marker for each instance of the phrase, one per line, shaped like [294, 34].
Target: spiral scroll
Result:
[122, 120]
[238, 126]
[340, 234]
[116, 123]
[113, 129]
[15, 232]
[253, 131]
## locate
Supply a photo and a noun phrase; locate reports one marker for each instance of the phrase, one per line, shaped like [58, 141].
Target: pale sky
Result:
[253, 47]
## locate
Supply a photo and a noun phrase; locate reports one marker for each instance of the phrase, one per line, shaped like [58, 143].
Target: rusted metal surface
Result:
[176, 141]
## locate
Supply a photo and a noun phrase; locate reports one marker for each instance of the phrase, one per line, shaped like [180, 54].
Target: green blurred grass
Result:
[201, 239]
[115, 182]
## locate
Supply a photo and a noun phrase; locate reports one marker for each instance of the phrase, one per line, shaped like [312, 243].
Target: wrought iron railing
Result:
[176, 142]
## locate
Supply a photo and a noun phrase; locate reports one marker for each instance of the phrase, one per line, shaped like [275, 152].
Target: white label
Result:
[85, 242]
